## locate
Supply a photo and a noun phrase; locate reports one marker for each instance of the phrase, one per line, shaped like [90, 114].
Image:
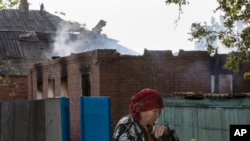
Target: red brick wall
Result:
[21, 91]
[74, 89]
[123, 76]
[119, 77]
[243, 85]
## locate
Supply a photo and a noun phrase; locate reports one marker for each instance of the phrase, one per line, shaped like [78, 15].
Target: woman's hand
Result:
[159, 130]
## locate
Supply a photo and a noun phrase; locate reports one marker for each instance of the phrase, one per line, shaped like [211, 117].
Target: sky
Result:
[136, 24]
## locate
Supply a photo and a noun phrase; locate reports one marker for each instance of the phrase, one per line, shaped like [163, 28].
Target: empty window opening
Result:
[51, 88]
[64, 87]
[86, 87]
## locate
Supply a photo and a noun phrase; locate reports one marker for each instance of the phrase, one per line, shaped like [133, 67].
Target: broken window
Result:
[86, 87]
[39, 84]
[51, 88]
[64, 87]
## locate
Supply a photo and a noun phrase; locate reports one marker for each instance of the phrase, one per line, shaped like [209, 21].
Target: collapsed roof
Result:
[37, 35]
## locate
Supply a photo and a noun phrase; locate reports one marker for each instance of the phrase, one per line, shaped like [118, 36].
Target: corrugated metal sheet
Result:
[7, 121]
[206, 119]
[53, 120]
[10, 46]
[24, 45]
[22, 122]
[14, 23]
[95, 119]
[34, 20]
[34, 120]
[15, 20]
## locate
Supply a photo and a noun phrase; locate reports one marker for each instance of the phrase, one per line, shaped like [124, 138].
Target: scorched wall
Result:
[107, 73]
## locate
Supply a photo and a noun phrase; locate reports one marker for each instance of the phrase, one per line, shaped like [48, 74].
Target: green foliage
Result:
[245, 35]
[232, 62]
[177, 2]
[180, 2]
[6, 70]
[247, 75]
[234, 11]
[8, 3]
[199, 32]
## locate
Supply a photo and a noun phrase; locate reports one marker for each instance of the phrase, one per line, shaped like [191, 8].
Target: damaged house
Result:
[108, 73]
[59, 59]
[32, 36]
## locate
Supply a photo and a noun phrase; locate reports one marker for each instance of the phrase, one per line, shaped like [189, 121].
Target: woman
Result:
[139, 125]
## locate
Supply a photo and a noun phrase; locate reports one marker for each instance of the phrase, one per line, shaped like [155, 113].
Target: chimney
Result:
[42, 8]
[24, 6]
[98, 28]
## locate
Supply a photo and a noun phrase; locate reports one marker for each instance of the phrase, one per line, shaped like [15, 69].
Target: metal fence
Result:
[95, 119]
[48, 120]
[206, 119]
[34, 120]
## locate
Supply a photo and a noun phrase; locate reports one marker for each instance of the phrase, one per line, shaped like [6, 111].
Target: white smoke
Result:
[71, 39]
[65, 44]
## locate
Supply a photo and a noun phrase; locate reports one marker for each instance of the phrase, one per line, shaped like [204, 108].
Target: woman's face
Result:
[149, 117]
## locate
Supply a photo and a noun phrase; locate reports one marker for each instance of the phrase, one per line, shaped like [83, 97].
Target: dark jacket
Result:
[127, 129]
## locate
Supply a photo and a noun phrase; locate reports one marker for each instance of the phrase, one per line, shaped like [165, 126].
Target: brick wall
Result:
[20, 93]
[119, 77]
[243, 85]
[123, 76]
[74, 94]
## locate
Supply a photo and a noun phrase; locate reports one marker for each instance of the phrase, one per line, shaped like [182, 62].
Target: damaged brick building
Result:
[108, 73]
[32, 36]
[29, 37]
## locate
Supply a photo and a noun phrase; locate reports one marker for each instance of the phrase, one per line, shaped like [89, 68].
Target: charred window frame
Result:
[52, 84]
[64, 84]
[86, 85]
[39, 82]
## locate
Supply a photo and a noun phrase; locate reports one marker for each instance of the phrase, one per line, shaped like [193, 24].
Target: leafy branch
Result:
[8, 3]
[234, 11]
[179, 3]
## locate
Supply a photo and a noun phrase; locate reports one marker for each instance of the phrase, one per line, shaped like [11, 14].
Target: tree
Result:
[8, 3]
[234, 11]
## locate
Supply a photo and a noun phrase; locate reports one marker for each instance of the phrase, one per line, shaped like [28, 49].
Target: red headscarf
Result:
[144, 100]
